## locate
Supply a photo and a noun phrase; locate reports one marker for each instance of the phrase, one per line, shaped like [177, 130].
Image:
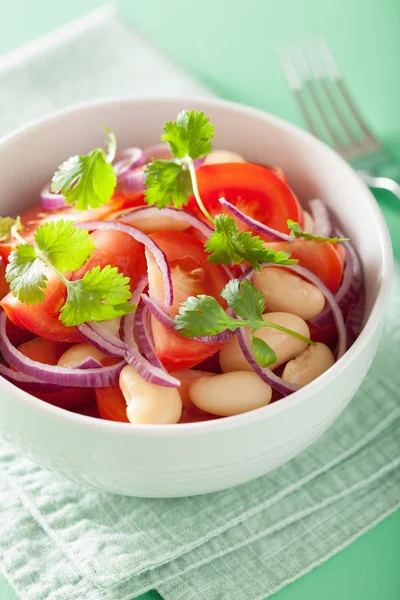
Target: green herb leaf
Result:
[244, 299]
[26, 275]
[99, 296]
[190, 135]
[297, 232]
[230, 245]
[168, 183]
[8, 227]
[202, 315]
[263, 353]
[66, 246]
[88, 180]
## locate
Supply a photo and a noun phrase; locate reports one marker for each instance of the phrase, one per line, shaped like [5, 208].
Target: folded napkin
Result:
[60, 541]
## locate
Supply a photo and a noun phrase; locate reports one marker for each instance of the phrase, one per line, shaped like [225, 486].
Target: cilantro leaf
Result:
[66, 246]
[99, 296]
[190, 135]
[8, 227]
[88, 180]
[202, 315]
[263, 353]
[111, 145]
[297, 232]
[26, 275]
[168, 183]
[230, 245]
[244, 299]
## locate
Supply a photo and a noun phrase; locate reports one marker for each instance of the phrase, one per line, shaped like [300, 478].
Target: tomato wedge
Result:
[324, 259]
[37, 216]
[48, 353]
[255, 190]
[192, 274]
[111, 403]
[4, 288]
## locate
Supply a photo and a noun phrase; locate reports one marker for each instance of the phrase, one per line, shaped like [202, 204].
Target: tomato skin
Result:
[48, 353]
[42, 319]
[119, 250]
[322, 258]
[4, 287]
[37, 216]
[111, 404]
[191, 274]
[255, 190]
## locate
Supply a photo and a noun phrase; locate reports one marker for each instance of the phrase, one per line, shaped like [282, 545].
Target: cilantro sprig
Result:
[297, 232]
[100, 295]
[203, 316]
[9, 227]
[88, 181]
[171, 182]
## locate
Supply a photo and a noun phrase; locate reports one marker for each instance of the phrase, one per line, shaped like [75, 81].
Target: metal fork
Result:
[330, 113]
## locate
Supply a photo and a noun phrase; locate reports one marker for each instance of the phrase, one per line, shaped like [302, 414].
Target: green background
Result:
[231, 46]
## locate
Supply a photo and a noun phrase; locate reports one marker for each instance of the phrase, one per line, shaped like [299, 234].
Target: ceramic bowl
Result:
[179, 460]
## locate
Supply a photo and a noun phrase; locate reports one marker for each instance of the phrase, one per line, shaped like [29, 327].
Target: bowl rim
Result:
[236, 421]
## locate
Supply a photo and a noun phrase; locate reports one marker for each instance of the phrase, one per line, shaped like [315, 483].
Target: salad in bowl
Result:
[180, 315]
[173, 284]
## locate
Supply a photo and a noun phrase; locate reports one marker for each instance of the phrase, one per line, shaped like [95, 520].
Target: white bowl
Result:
[178, 460]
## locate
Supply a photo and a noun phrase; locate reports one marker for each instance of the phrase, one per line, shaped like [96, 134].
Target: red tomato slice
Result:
[255, 190]
[111, 403]
[192, 274]
[43, 319]
[4, 287]
[322, 258]
[37, 216]
[117, 249]
[48, 353]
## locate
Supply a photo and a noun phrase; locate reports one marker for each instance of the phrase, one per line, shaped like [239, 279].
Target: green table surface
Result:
[232, 47]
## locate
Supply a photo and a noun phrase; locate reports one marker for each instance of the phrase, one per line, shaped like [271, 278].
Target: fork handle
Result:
[380, 182]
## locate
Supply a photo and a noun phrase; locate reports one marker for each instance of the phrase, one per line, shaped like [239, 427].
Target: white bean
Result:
[79, 352]
[223, 156]
[284, 345]
[158, 223]
[230, 393]
[309, 365]
[187, 377]
[308, 222]
[148, 403]
[287, 292]
[112, 326]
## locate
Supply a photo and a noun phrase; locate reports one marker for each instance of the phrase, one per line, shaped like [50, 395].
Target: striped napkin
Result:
[60, 541]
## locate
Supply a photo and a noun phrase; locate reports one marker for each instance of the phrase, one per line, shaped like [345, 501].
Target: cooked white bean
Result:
[309, 365]
[187, 377]
[158, 223]
[308, 222]
[223, 156]
[148, 403]
[79, 352]
[112, 326]
[287, 292]
[284, 345]
[230, 393]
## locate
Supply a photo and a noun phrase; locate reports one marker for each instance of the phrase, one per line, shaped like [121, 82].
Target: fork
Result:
[331, 115]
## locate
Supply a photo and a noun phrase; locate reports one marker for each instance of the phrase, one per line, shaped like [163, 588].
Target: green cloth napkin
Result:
[60, 541]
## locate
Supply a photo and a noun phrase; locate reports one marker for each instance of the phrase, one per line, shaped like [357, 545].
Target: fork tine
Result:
[296, 86]
[307, 69]
[331, 70]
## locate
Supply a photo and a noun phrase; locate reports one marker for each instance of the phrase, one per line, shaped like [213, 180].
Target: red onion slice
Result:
[63, 376]
[165, 319]
[52, 201]
[173, 213]
[133, 182]
[144, 239]
[160, 151]
[276, 382]
[102, 340]
[27, 383]
[257, 226]
[322, 220]
[128, 160]
[145, 336]
[329, 297]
